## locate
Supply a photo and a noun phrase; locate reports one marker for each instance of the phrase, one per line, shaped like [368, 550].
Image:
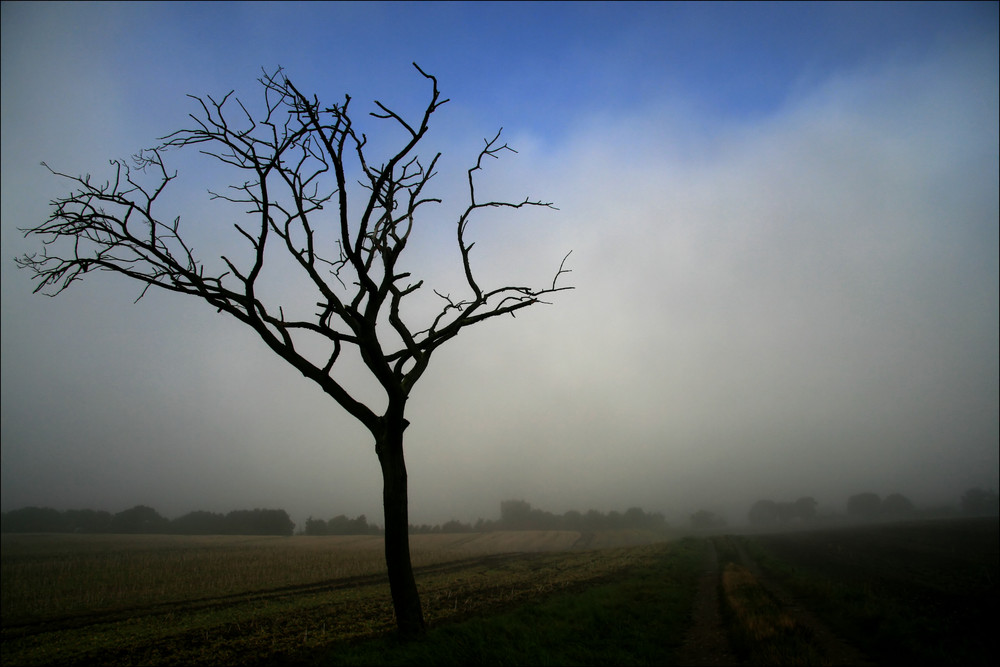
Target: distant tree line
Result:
[146, 520]
[866, 506]
[514, 515]
[860, 506]
[973, 502]
[341, 525]
[520, 515]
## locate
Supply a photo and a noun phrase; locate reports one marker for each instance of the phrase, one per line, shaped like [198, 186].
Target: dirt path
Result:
[707, 642]
[836, 651]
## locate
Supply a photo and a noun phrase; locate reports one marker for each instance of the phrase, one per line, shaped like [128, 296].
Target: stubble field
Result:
[152, 599]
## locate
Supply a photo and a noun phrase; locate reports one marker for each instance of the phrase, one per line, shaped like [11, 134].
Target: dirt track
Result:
[707, 642]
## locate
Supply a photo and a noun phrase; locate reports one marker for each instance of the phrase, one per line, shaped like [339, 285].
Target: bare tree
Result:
[295, 158]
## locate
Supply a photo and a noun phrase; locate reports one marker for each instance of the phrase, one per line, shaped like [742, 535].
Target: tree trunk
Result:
[402, 585]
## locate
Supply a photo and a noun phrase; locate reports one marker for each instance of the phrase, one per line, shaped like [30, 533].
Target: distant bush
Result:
[341, 525]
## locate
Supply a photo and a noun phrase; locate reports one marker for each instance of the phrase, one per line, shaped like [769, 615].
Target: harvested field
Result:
[147, 599]
[871, 594]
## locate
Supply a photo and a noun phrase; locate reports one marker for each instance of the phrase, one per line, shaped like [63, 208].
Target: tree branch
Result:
[296, 158]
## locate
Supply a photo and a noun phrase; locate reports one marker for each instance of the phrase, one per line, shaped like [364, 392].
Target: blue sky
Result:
[783, 220]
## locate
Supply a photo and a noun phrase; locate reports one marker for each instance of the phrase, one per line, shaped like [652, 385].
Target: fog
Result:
[784, 233]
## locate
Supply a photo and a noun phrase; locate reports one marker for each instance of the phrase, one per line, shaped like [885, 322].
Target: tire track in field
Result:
[707, 642]
[19, 630]
[836, 650]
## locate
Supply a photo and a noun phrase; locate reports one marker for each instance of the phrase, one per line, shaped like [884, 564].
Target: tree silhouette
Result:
[295, 159]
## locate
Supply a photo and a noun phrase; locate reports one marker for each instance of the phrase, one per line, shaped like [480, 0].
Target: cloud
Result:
[804, 296]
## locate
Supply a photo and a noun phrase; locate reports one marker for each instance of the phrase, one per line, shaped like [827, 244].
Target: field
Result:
[924, 593]
[917, 593]
[148, 599]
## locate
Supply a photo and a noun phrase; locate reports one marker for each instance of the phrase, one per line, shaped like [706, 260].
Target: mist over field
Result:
[784, 231]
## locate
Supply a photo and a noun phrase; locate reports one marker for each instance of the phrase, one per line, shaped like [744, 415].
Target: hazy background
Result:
[784, 225]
